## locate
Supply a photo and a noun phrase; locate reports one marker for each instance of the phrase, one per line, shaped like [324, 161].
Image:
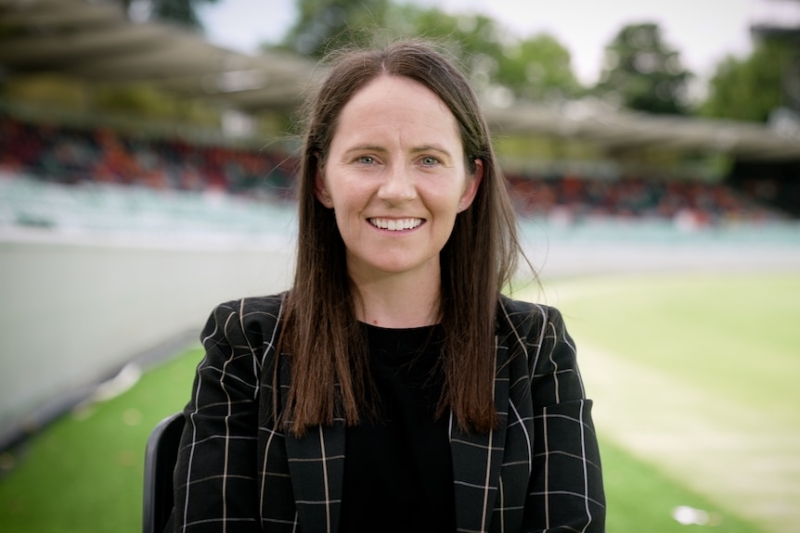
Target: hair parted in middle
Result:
[321, 335]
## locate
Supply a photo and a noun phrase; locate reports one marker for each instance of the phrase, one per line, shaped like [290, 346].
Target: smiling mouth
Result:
[396, 224]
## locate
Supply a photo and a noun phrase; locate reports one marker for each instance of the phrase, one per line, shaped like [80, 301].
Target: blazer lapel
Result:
[316, 466]
[477, 458]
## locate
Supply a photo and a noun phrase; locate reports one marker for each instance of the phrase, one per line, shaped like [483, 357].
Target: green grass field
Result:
[696, 376]
[695, 405]
[84, 473]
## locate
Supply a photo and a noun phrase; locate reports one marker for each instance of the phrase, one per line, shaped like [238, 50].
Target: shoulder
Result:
[523, 315]
[254, 304]
[537, 335]
[252, 315]
[529, 327]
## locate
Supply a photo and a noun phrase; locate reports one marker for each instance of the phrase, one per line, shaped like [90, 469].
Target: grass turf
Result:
[729, 342]
[84, 473]
[641, 499]
[734, 335]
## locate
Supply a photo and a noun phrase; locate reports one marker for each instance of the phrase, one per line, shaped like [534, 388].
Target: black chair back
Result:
[159, 463]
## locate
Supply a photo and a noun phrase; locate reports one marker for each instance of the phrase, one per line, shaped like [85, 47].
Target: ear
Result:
[471, 189]
[321, 191]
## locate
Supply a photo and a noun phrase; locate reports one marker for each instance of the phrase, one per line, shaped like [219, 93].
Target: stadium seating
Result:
[69, 155]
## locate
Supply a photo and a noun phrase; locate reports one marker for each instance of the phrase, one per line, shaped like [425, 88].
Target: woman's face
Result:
[396, 177]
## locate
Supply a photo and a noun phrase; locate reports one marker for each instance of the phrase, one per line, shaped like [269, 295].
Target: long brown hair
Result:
[329, 366]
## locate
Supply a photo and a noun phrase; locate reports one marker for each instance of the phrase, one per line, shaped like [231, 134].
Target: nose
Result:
[398, 185]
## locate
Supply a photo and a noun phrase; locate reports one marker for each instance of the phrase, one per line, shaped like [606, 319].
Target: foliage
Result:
[140, 101]
[750, 88]
[332, 24]
[473, 40]
[501, 66]
[538, 68]
[643, 73]
[47, 91]
[144, 101]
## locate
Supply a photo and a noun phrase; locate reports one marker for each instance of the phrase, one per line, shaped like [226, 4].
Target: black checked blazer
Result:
[538, 472]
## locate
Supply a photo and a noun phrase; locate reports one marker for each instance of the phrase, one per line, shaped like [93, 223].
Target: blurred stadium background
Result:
[146, 174]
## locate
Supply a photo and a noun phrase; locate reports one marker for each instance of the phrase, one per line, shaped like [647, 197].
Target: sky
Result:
[703, 31]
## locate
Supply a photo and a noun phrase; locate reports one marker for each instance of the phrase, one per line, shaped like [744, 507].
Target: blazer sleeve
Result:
[566, 491]
[215, 474]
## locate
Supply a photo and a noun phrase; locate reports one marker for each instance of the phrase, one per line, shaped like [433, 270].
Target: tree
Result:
[474, 41]
[500, 65]
[642, 72]
[497, 62]
[538, 68]
[330, 24]
[750, 88]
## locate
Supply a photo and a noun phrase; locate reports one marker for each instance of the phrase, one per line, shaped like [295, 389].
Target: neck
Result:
[398, 301]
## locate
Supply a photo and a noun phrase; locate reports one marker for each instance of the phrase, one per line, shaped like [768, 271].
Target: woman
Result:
[392, 388]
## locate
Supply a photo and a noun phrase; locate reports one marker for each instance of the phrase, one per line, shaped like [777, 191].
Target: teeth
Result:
[395, 225]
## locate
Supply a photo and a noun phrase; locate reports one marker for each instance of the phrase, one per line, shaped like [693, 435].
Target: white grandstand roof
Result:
[94, 40]
[620, 130]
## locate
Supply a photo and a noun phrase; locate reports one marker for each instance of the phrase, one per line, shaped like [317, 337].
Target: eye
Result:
[365, 159]
[429, 161]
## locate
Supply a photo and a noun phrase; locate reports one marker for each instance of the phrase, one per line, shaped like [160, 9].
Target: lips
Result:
[400, 224]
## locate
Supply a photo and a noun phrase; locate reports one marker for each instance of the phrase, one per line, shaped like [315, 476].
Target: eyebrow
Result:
[414, 150]
[430, 147]
[365, 148]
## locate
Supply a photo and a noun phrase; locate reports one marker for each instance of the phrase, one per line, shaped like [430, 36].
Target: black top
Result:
[398, 469]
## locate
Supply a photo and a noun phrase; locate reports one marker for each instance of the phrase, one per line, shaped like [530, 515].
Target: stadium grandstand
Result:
[73, 170]
[120, 231]
[71, 155]
[97, 43]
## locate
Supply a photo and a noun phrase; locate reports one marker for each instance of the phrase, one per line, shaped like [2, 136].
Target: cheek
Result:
[344, 187]
[448, 199]
[346, 211]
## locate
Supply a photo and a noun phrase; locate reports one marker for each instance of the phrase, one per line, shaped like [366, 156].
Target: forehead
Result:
[388, 104]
